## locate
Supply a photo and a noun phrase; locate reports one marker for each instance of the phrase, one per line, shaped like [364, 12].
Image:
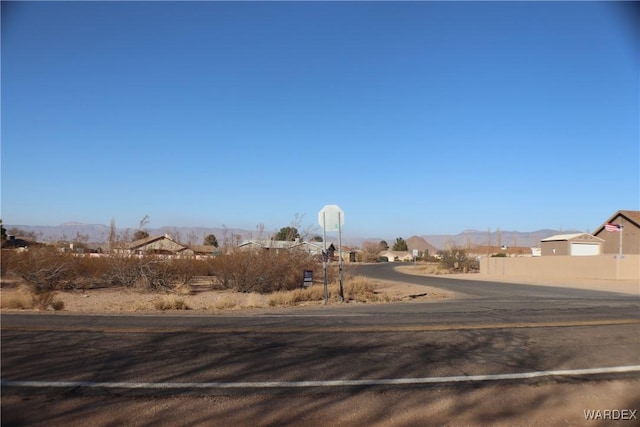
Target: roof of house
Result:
[282, 244]
[563, 237]
[396, 253]
[270, 244]
[146, 241]
[632, 216]
[203, 249]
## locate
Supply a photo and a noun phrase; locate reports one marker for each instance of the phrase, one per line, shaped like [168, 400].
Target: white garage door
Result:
[585, 249]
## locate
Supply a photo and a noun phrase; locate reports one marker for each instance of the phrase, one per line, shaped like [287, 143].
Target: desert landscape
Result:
[200, 297]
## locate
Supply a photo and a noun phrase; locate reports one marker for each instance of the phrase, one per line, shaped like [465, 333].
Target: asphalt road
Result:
[404, 352]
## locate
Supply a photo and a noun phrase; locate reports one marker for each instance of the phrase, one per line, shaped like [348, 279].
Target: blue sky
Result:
[415, 118]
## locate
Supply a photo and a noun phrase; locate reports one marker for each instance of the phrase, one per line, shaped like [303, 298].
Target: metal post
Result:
[340, 257]
[324, 258]
[620, 241]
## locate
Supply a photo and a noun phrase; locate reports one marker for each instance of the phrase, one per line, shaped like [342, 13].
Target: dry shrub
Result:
[44, 270]
[154, 273]
[254, 301]
[17, 300]
[263, 271]
[434, 268]
[171, 302]
[359, 289]
[289, 298]
[225, 303]
[355, 289]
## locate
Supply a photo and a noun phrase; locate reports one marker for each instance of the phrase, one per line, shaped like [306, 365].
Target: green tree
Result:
[288, 234]
[3, 231]
[210, 240]
[400, 245]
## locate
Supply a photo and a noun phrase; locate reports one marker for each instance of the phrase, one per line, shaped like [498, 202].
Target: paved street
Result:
[483, 343]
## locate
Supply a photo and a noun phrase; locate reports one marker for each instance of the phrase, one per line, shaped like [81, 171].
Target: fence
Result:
[611, 267]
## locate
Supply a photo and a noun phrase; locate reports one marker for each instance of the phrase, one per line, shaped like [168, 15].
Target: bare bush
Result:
[263, 271]
[154, 273]
[44, 270]
[171, 302]
[457, 259]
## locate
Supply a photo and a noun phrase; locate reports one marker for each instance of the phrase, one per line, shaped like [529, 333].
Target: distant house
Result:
[153, 245]
[509, 251]
[628, 234]
[577, 244]
[200, 250]
[393, 256]
[313, 248]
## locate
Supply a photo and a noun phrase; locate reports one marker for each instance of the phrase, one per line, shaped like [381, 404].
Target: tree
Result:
[288, 234]
[210, 240]
[370, 251]
[316, 239]
[3, 231]
[383, 245]
[112, 234]
[400, 245]
[139, 235]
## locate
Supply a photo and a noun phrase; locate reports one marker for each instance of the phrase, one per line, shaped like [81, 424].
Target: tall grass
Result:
[356, 288]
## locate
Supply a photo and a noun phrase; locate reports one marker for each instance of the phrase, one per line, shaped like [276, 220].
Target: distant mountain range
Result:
[73, 231]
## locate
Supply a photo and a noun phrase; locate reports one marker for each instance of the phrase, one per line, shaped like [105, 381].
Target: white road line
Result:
[330, 383]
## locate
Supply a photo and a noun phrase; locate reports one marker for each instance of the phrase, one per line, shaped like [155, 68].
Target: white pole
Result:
[620, 242]
[324, 257]
[340, 256]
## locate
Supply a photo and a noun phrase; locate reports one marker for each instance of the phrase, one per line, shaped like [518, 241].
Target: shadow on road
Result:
[197, 357]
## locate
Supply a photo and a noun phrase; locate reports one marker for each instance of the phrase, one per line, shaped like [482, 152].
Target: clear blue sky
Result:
[415, 118]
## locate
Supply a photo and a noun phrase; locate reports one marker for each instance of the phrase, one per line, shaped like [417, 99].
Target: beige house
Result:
[163, 245]
[394, 256]
[152, 245]
[313, 248]
[629, 234]
[577, 244]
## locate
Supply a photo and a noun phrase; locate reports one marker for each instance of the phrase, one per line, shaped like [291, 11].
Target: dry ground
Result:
[200, 297]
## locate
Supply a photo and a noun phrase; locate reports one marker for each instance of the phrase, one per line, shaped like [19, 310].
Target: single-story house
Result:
[622, 227]
[576, 244]
[152, 245]
[393, 256]
[313, 248]
[201, 250]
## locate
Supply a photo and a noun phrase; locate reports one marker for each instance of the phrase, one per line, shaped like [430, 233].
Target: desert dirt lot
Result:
[200, 297]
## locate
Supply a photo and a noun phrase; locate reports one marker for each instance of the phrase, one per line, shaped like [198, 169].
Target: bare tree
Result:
[370, 251]
[112, 234]
[144, 221]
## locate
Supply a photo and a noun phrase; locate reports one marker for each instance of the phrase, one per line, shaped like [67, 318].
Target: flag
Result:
[612, 227]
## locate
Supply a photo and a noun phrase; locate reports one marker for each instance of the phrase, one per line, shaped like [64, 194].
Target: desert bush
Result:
[356, 288]
[171, 302]
[152, 273]
[457, 259]
[225, 304]
[17, 300]
[263, 271]
[44, 270]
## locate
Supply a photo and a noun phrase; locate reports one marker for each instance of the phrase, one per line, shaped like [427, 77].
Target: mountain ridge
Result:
[74, 231]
